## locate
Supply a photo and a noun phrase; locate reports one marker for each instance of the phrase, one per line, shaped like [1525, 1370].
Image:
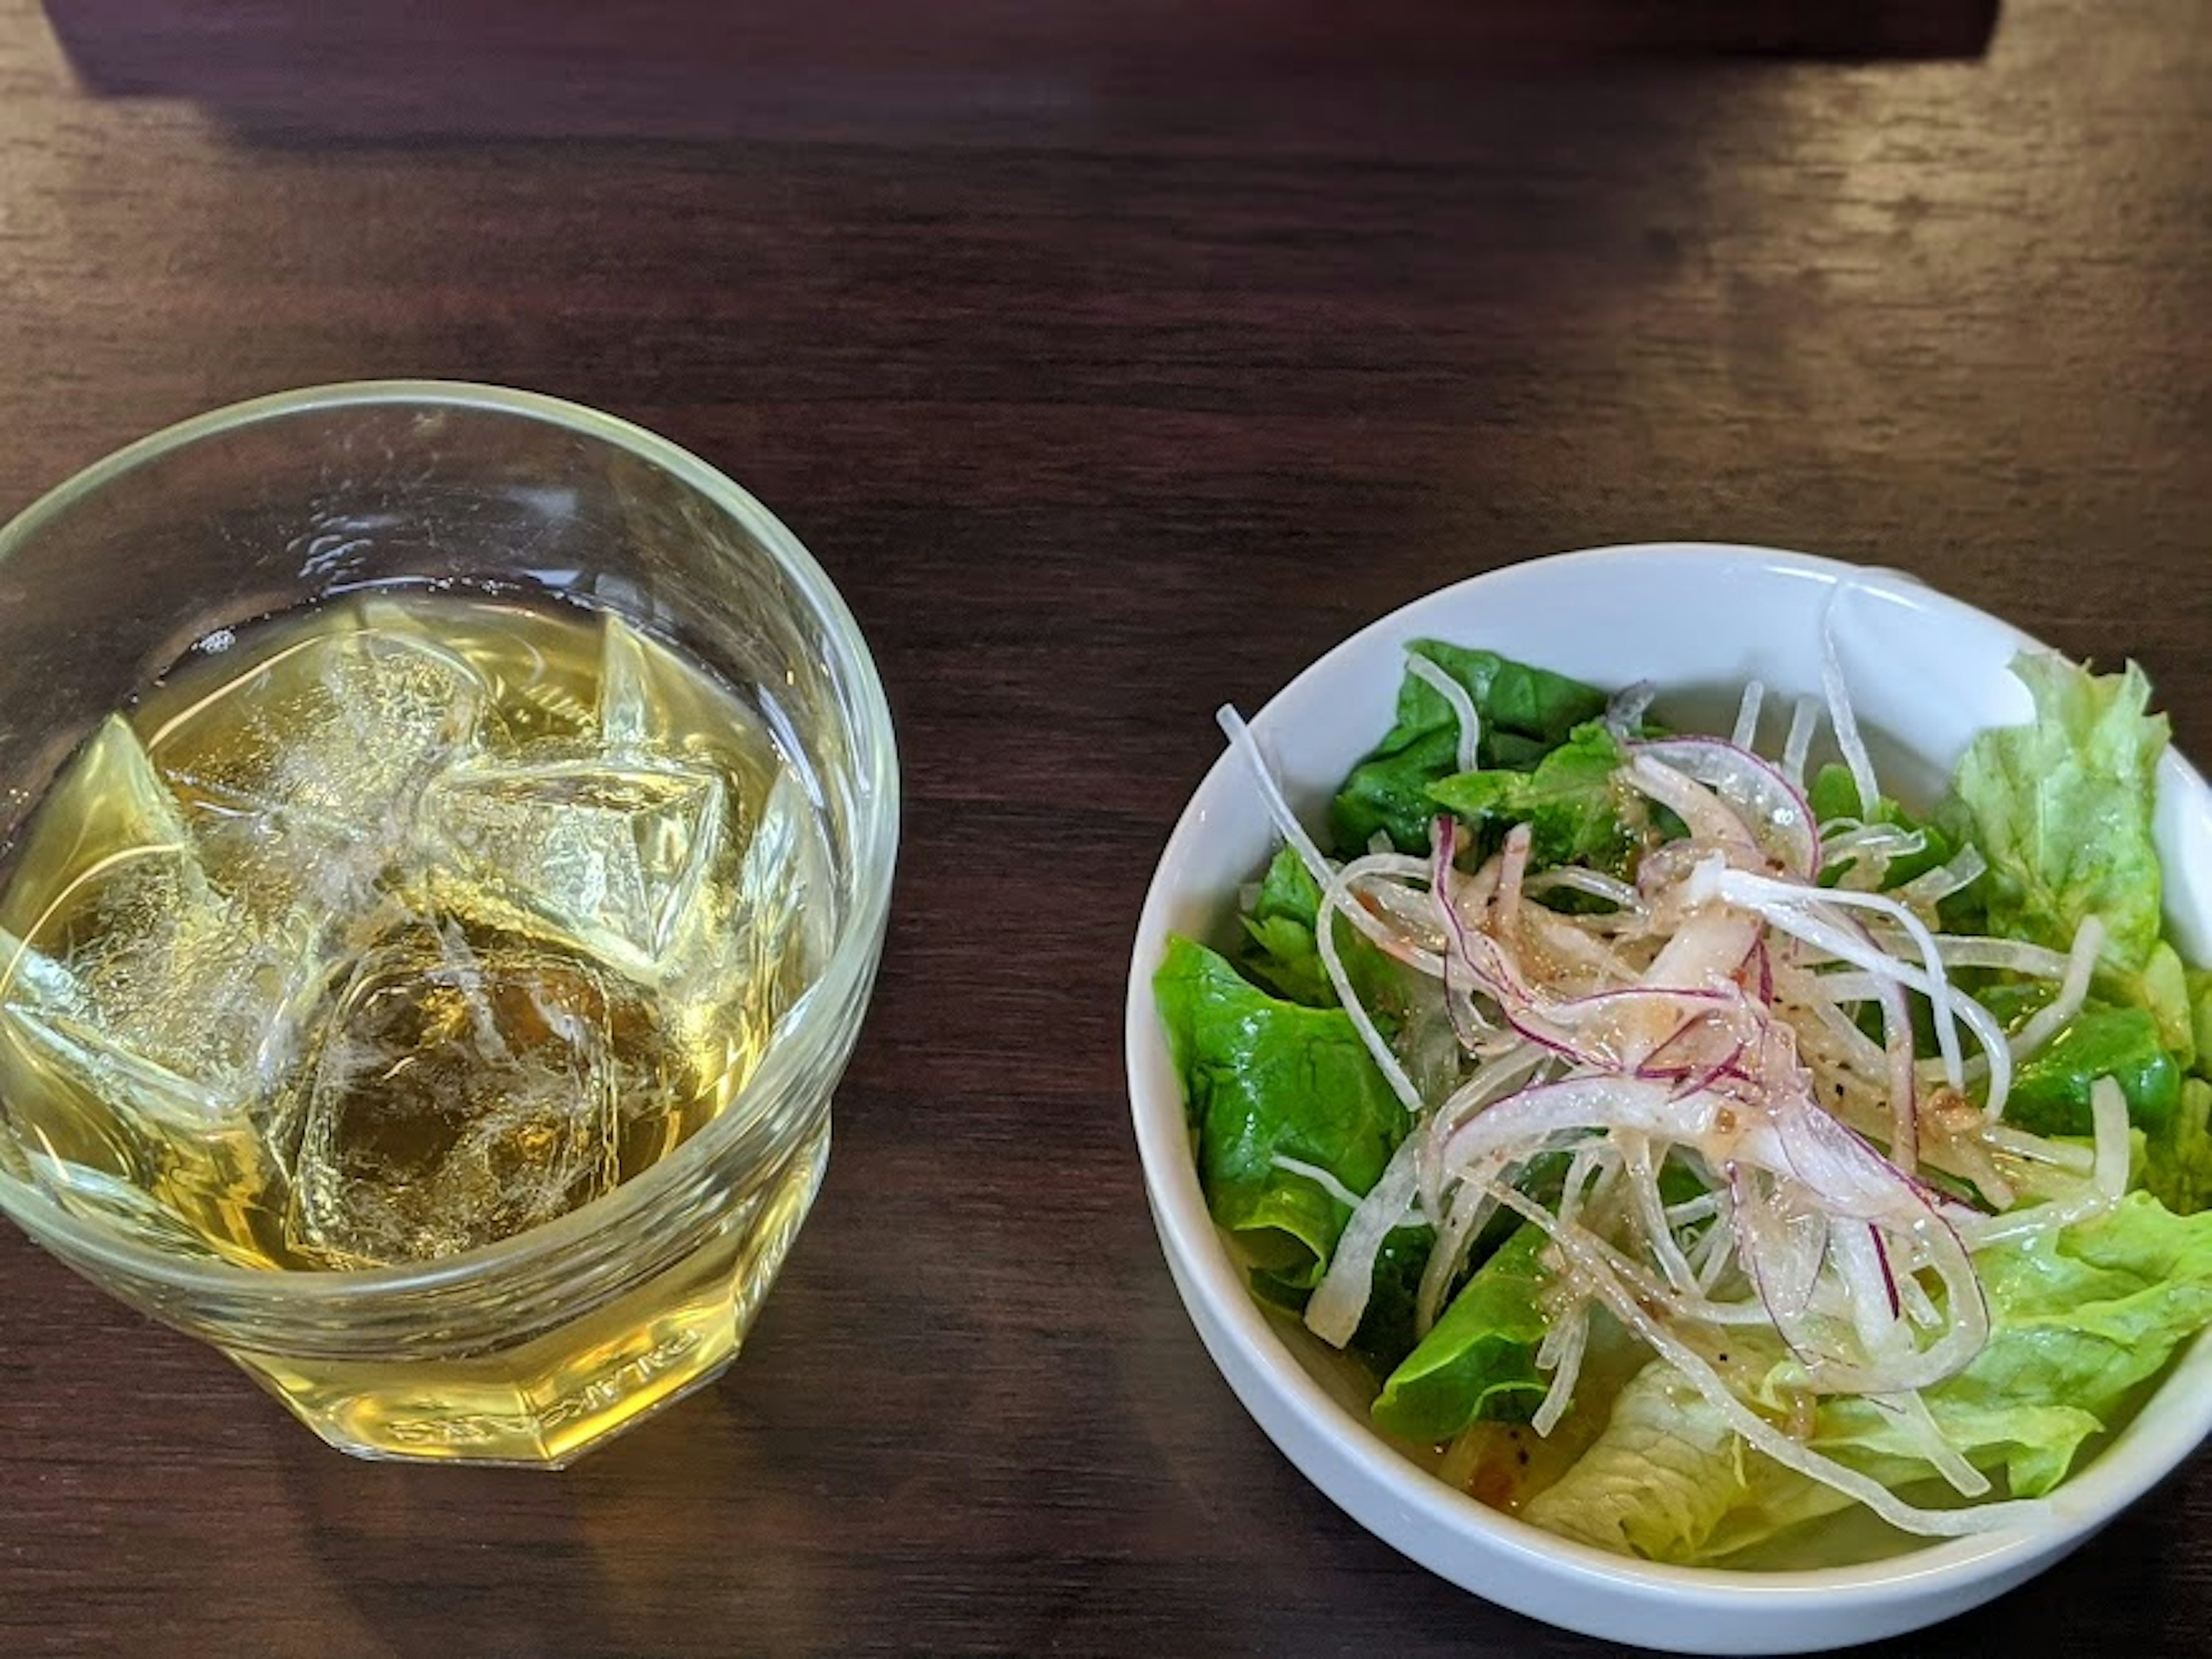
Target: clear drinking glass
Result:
[531, 1349]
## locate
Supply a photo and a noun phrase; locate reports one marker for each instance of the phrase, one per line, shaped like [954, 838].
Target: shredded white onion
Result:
[1931, 887]
[1339, 1301]
[2107, 1183]
[2011, 955]
[2108, 1111]
[1799, 911]
[1575, 878]
[1319, 1177]
[1747, 715]
[1802, 719]
[2073, 991]
[1564, 1363]
[1463, 707]
[1286, 821]
[1928, 1440]
[1841, 714]
[1334, 902]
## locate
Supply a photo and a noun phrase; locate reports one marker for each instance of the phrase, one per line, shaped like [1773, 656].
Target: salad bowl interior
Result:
[1926, 674]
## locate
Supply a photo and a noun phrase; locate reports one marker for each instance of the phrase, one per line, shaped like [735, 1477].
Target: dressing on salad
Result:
[1692, 1147]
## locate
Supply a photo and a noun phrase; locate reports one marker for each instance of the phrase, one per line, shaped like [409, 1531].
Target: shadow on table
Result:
[651, 1546]
[677, 69]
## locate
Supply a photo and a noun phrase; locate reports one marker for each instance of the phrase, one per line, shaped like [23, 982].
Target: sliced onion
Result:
[1928, 1440]
[1708, 817]
[1930, 887]
[1774, 809]
[1507, 1130]
[1801, 912]
[2073, 991]
[1495, 1081]
[1471, 1206]
[1339, 1301]
[1841, 714]
[1463, 707]
[1639, 1170]
[1286, 822]
[1334, 901]
[1573, 877]
[1863, 1266]
[1747, 715]
[1324, 1179]
[1506, 906]
[2108, 1111]
[2011, 955]
[1802, 719]
[1565, 1364]
[1868, 851]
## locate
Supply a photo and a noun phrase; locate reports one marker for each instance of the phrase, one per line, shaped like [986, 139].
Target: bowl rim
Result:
[1206, 1274]
[852, 957]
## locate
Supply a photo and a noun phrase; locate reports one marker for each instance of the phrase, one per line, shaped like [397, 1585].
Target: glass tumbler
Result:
[531, 1349]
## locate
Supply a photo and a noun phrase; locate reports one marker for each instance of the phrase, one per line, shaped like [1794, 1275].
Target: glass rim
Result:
[876, 818]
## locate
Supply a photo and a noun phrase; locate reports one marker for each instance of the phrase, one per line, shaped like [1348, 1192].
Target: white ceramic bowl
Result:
[1925, 670]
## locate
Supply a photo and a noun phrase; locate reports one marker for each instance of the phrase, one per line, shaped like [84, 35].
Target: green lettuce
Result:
[1526, 712]
[1281, 955]
[1569, 801]
[1386, 1333]
[1262, 1078]
[2081, 1321]
[2176, 1167]
[2060, 807]
[2051, 1092]
[1669, 1479]
[1478, 1360]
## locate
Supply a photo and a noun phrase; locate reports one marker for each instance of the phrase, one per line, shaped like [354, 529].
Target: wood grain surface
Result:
[1115, 363]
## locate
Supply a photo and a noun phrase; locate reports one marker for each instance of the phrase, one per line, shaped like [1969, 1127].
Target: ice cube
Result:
[653, 704]
[786, 905]
[300, 776]
[463, 1089]
[533, 696]
[765, 929]
[138, 978]
[607, 858]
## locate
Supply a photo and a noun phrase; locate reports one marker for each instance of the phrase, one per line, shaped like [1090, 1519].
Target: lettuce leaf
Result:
[1263, 1078]
[1386, 1332]
[1526, 712]
[2060, 807]
[2176, 1165]
[2050, 1090]
[2080, 1322]
[1478, 1360]
[1669, 1481]
[1280, 953]
[1569, 802]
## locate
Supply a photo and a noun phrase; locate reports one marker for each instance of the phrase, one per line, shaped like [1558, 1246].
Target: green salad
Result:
[1693, 1143]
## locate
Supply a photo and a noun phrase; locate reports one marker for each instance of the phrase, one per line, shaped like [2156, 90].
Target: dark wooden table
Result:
[1116, 362]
